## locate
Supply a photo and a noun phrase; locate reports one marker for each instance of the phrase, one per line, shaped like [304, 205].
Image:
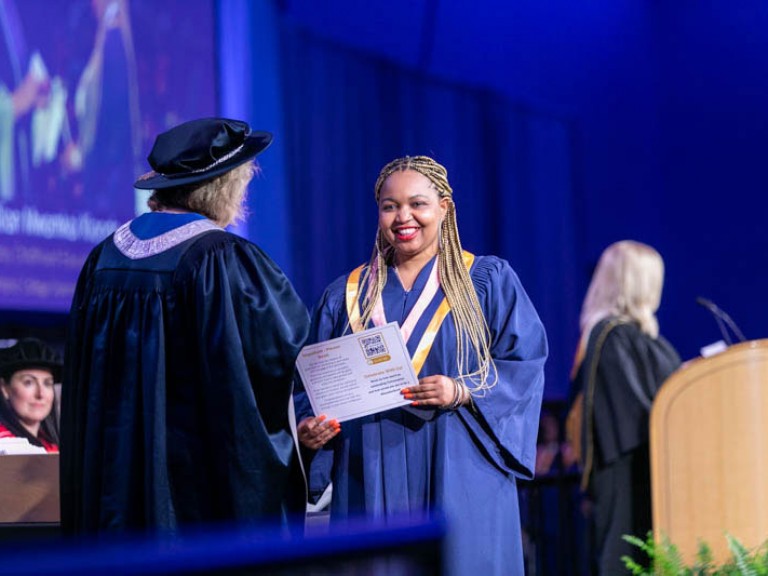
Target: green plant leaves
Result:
[664, 559]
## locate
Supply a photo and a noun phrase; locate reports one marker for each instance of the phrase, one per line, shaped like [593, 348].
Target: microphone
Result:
[722, 319]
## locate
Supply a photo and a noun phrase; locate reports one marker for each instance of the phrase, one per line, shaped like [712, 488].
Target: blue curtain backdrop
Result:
[249, 84]
[346, 115]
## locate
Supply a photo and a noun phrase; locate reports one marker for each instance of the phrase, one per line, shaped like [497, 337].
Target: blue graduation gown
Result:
[463, 463]
[178, 375]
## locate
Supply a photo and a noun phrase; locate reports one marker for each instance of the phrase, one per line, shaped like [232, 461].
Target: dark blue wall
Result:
[714, 145]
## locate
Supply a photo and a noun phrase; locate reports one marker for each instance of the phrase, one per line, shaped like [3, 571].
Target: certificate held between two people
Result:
[358, 374]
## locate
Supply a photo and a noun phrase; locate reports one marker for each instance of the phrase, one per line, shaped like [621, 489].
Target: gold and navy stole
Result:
[428, 338]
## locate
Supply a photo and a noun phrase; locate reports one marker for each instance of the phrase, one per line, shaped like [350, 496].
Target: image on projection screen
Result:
[85, 85]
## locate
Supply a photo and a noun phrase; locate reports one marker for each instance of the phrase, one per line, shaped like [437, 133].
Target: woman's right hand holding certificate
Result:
[314, 432]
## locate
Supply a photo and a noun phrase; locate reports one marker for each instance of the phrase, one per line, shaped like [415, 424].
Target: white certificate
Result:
[357, 374]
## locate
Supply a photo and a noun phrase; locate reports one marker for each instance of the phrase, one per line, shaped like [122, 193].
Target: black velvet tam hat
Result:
[29, 353]
[199, 150]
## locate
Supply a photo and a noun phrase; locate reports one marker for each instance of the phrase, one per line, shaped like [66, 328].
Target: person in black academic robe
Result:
[180, 356]
[621, 364]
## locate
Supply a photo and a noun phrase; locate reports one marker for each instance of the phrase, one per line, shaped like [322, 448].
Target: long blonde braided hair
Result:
[471, 328]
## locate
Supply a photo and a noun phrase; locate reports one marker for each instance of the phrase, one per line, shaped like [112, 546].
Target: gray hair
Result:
[222, 199]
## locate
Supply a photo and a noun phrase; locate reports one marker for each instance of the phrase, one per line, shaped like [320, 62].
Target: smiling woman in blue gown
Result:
[470, 431]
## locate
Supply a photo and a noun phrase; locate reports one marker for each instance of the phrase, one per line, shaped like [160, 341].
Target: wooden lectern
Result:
[709, 452]
[29, 489]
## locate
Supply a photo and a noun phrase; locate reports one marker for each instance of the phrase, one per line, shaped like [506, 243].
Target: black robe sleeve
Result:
[73, 396]
[251, 325]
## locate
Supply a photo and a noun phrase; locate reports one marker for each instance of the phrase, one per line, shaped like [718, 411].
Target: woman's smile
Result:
[404, 234]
